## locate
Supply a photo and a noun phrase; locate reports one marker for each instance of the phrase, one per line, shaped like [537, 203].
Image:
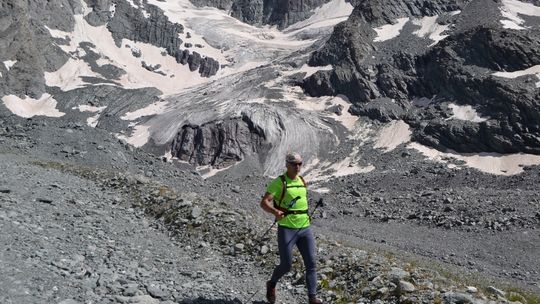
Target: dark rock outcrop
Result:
[381, 12]
[383, 109]
[130, 23]
[273, 12]
[100, 13]
[208, 67]
[511, 105]
[24, 39]
[457, 69]
[219, 144]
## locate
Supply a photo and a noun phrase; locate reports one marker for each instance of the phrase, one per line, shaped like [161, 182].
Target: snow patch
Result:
[139, 137]
[493, 163]
[430, 28]
[57, 33]
[132, 3]
[345, 167]
[28, 107]
[87, 108]
[152, 109]
[320, 190]
[112, 9]
[93, 120]
[330, 12]
[320, 104]
[9, 63]
[467, 113]
[209, 171]
[168, 155]
[309, 70]
[389, 31]
[535, 70]
[68, 77]
[511, 9]
[394, 134]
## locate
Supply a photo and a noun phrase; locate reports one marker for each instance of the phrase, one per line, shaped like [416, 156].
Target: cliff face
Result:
[382, 76]
[259, 12]
[219, 144]
[462, 74]
[26, 39]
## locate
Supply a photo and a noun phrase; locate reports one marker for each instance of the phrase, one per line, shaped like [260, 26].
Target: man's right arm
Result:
[267, 203]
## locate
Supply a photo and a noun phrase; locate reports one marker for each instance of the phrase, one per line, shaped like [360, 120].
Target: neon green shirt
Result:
[294, 188]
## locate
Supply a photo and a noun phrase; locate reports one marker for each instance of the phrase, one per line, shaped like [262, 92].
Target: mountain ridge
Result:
[137, 137]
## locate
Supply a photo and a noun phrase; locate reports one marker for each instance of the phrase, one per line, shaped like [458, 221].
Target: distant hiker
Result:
[286, 199]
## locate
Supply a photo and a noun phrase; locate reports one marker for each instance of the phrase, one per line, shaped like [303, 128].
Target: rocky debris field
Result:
[68, 239]
[76, 235]
[457, 199]
[112, 224]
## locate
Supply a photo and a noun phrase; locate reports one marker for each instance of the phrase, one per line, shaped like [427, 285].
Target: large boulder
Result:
[219, 144]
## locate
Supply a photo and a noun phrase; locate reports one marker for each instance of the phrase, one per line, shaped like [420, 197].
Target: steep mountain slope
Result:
[126, 66]
[453, 53]
[273, 12]
[409, 114]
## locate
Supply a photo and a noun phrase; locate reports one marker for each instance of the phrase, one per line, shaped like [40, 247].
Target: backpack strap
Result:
[278, 204]
[303, 181]
[283, 189]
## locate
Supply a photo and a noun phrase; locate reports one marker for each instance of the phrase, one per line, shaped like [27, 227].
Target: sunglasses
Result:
[295, 164]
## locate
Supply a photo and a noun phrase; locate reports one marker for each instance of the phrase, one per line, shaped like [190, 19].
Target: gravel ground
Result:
[74, 235]
[69, 238]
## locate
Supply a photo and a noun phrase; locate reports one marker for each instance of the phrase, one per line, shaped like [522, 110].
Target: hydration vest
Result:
[279, 204]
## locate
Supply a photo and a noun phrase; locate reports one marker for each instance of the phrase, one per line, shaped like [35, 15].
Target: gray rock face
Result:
[23, 38]
[219, 144]
[221, 4]
[456, 69]
[251, 12]
[514, 122]
[100, 14]
[129, 23]
[275, 12]
[377, 12]
[117, 100]
[382, 109]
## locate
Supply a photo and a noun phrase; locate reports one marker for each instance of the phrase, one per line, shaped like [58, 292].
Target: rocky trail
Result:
[68, 239]
[93, 228]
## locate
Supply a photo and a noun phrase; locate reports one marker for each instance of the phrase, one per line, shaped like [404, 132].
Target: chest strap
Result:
[287, 212]
[284, 189]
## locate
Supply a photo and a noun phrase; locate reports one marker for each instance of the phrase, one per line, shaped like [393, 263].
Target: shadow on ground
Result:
[217, 301]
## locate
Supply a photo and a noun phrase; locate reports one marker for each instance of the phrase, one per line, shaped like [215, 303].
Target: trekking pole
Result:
[291, 204]
[319, 203]
[259, 239]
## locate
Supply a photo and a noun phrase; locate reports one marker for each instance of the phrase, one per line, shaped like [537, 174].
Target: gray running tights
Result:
[303, 239]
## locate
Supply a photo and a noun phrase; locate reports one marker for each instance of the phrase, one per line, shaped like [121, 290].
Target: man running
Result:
[286, 199]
